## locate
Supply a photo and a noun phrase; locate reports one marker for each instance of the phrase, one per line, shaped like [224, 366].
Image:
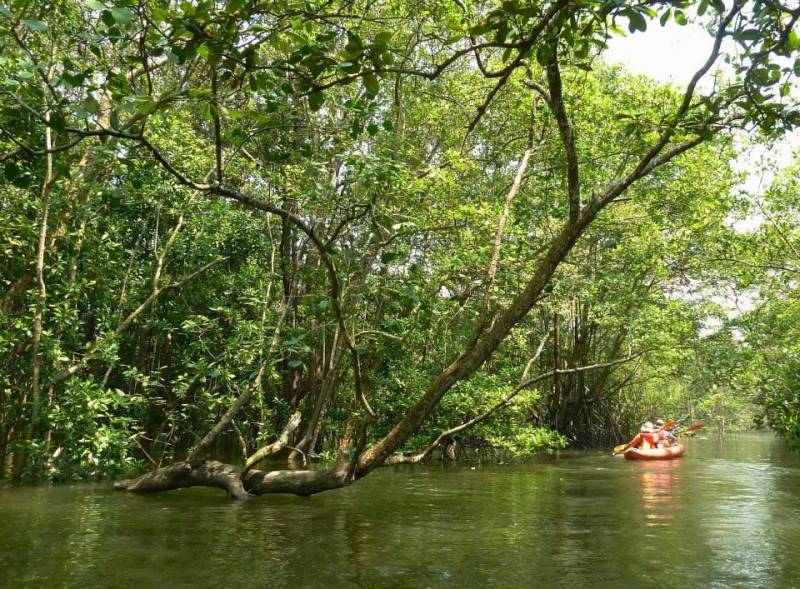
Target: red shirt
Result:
[642, 438]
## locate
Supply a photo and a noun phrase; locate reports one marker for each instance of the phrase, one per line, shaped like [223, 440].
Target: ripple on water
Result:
[718, 518]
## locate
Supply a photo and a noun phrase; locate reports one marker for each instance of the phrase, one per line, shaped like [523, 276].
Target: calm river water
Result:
[726, 515]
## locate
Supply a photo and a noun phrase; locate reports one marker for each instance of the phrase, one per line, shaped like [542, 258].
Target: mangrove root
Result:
[208, 473]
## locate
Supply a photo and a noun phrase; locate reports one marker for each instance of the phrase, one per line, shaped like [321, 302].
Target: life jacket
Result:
[649, 440]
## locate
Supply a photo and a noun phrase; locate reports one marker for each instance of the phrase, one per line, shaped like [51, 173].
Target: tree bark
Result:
[296, 482]
[282, 442]
[211, 473]
[186, 474]
[42, 296]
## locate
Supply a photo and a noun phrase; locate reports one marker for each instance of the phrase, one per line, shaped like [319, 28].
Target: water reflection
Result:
[658, 483]
[723, 516]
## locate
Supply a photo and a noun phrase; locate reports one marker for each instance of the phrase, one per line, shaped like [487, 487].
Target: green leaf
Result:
[351, 67]
[91, 105]
[354, 47]
[57, 122]
[233, 6]
[315, 100]
[122, 15]
[793, 41]
[544, 54]
[383, 38]
[34, 25]
[529, 11]
[680, 18]
[6, 12]
[107, 18]
[159, 14]
[749, 35]
[636, 21]
[371, 84]
[761, 76]
[718, 5]
[95, 5]
[198, 94]
[11, 170]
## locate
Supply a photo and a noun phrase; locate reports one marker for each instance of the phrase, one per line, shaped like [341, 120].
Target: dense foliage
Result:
[393, 218]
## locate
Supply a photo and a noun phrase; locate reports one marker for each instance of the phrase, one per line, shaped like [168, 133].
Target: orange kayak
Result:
[655, 453]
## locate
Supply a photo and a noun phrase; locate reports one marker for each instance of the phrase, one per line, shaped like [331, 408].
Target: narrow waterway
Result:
[726, 515]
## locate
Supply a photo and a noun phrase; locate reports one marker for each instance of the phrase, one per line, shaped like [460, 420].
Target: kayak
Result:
[655, 453]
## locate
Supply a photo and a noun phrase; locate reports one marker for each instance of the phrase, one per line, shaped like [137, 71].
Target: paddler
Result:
[664, 437]
[646, 438]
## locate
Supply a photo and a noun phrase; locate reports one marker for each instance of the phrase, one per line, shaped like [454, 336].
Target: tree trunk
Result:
[186, 474]
[42, 296]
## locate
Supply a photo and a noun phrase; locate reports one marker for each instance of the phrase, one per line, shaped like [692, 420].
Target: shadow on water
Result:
[724, 516]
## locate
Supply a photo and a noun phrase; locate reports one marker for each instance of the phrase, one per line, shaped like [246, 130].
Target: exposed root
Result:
[396, 459]
[208, 473]
[211, 473]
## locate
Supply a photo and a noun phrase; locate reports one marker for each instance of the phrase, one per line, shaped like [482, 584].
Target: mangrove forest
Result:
[272, 246]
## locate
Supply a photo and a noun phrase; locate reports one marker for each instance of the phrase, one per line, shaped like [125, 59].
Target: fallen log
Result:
[207, 473]
[297, 482]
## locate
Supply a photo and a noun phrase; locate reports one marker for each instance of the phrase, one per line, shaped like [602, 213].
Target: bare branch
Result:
[688, 95]
[491, 270]
[556, 104]
[276, 446]
[42, 295]
[215, 118]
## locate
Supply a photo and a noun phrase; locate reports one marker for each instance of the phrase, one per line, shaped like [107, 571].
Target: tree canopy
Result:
[346, 229]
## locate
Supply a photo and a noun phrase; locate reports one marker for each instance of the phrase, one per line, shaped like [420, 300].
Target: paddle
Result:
[693, 428]
[620, 448]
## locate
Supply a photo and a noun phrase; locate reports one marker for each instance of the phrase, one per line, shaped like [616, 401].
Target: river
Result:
[726, 515]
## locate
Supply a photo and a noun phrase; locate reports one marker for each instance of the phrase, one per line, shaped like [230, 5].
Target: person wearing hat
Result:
[646, 438]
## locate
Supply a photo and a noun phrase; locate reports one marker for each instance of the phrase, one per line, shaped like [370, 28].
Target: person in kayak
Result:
[664, 438]
[646, 438]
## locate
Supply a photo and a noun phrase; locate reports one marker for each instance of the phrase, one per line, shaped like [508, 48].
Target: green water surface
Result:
[726, 515]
